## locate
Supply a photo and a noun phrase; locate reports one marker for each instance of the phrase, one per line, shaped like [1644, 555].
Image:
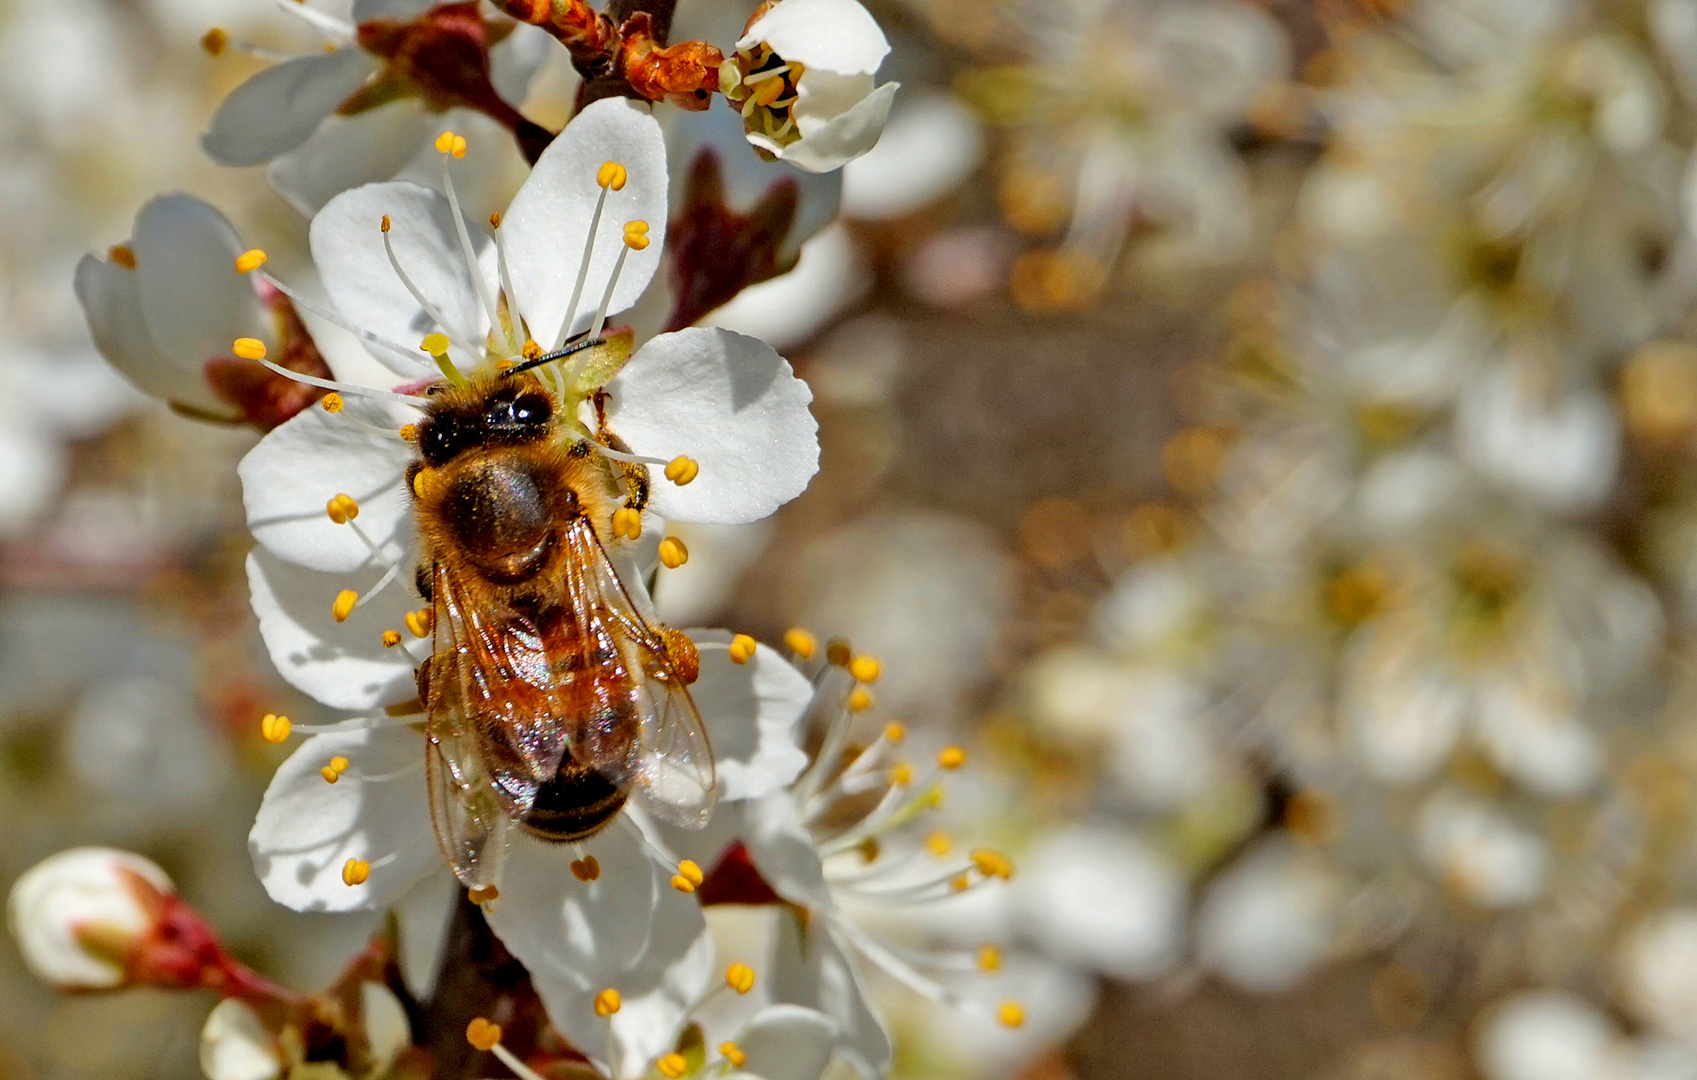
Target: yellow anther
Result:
[733, 1054]
[865, 668]
[215, 41]
[344, 605]
[838, 652]
[384, 224]
[250, 260]
[495, 220]
[449, 143]
[672, 1066]
[124, 255]
[607, 1002]
[409, 432]
[961, 884]
[951, 757]
[483, 894]
[939, 844]
[248, 348]
[681, 470]
[673, 553]
[768, 91]
[435, 344]
[989, 958]
[800, 642]
[894, 732]
[740, 977]
[333, 771]
[421, 622]
[531, 350]
[859, 700]
[355, 871]
[482, 1034]
[682, 884]
[612, 175]
[586, 868]
[636, 235]
[332, 402]
[1010, 1013]
[627, 522]
[742, 649]
[421, 481]
[341, 509]
[274, 728]
[992, 864]
[391, 638]
[901, 774]
[690, 869]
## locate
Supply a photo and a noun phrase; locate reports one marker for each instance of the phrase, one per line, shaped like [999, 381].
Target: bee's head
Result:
[501, 412]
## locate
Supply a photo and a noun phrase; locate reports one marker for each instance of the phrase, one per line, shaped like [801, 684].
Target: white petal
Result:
[811, 969]
[366, 10]
[515, 61]
[344, 665]
[385, 1022]
[111, 300]
[298, 468]
[629, 931]
[85, 886]
[347, 245]
[547, 225]
[193, 300]
[235, 1045]
[830, 140]
[750, 711]
[787, 1042]
[307, 829]
[1544, 1035]
[832, 35]
[1105, 900]
[719, 555]
[733, 405]
[933, 143]
[348, 151]
[1269, 919]
[781, 849]
[423, 914]
[278, 108]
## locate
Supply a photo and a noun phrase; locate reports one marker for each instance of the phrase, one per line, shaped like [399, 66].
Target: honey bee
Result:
[550, 697]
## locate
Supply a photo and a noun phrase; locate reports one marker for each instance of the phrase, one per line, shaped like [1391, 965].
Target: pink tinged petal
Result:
[811, 969]
[733, 405]
[782, 850]
[348, 151]
[347, 246]
[423, 914]
[830, 138]
[787, 1042]
[837, 36]
[308, 829]
[344, 665]
[629, 930]
[277, 109]
[292, 474]
[194, 301]
[111, 300]
[546, 227]
[750, 711]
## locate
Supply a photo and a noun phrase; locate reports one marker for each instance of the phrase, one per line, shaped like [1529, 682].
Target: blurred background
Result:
[1265, 431]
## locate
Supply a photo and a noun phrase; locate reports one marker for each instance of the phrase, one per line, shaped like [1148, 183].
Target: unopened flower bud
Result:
[81, 917]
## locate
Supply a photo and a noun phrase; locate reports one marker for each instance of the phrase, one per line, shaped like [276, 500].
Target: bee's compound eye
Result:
[436, 441]
[532, 409]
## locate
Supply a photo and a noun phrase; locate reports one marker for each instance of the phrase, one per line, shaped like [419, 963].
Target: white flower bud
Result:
[821, 109]
[236, 1045]
[77, 914]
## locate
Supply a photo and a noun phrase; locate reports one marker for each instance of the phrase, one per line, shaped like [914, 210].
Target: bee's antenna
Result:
[557, 354]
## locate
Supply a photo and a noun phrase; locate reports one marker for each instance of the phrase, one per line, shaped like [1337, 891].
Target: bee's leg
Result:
[423, 578]
[636, 477]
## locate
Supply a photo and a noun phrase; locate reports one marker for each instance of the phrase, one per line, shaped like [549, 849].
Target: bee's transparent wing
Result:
[646, 736]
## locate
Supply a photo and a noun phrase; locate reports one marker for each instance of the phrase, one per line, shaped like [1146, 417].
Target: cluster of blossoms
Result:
[816, 817]
[1406, 664]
